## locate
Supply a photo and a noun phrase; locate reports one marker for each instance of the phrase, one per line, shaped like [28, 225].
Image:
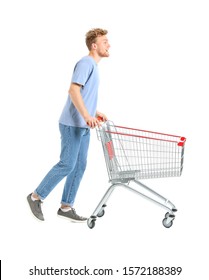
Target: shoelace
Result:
[74, 212]
[39, 202]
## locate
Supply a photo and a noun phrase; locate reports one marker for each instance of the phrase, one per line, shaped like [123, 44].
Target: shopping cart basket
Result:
[132, 154]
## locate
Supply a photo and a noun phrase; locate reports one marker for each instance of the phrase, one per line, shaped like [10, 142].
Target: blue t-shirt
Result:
[85, 74]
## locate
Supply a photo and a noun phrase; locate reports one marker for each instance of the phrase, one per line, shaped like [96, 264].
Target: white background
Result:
[156, 78]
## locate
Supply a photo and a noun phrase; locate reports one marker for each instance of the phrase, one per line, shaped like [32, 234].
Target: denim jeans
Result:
[73, 159]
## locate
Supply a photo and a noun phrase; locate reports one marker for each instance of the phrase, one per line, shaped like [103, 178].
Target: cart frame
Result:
[121, 163]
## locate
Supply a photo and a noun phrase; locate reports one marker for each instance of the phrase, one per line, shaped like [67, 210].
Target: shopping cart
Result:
[132, 154]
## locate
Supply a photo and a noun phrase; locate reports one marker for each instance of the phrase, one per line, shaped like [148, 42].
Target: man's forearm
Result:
[77, 100]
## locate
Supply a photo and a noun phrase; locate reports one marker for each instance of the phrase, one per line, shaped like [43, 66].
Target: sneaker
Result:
[72, 215]
[35, 207]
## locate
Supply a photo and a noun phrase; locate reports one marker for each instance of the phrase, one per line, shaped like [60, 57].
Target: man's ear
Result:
[94, 46]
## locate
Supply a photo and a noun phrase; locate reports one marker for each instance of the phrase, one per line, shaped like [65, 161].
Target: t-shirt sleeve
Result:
[81, 73]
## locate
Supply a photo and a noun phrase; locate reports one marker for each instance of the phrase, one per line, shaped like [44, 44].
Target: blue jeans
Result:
[73, 159]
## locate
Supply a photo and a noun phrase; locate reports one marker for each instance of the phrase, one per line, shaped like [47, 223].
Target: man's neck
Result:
[95, 56]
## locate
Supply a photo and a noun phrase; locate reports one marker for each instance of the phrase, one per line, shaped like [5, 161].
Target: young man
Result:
[78, 116]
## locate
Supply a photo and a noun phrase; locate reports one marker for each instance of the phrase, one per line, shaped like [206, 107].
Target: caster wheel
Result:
[167, 225]
[91, 224]
[101, 213]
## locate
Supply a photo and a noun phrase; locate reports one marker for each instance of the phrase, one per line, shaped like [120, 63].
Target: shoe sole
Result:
[71, 220]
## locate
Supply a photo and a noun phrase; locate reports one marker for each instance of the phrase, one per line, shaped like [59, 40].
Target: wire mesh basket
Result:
[139, 154]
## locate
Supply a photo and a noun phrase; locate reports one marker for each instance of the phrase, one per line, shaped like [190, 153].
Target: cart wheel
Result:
[101, 213]
[91, 223]
[167, 225]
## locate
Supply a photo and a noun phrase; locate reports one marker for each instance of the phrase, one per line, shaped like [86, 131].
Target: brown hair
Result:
[92, 35]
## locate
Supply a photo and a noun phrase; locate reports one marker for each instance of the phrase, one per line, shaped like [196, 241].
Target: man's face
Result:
[102, 46]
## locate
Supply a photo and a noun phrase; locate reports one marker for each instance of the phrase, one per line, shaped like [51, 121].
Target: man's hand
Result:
[93, 122]
[101, 116]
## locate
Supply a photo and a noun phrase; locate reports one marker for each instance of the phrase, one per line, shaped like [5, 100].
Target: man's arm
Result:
[77, 100]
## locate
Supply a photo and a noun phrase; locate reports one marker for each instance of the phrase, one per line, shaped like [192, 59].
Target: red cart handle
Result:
[100, 119]
[182, 141]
